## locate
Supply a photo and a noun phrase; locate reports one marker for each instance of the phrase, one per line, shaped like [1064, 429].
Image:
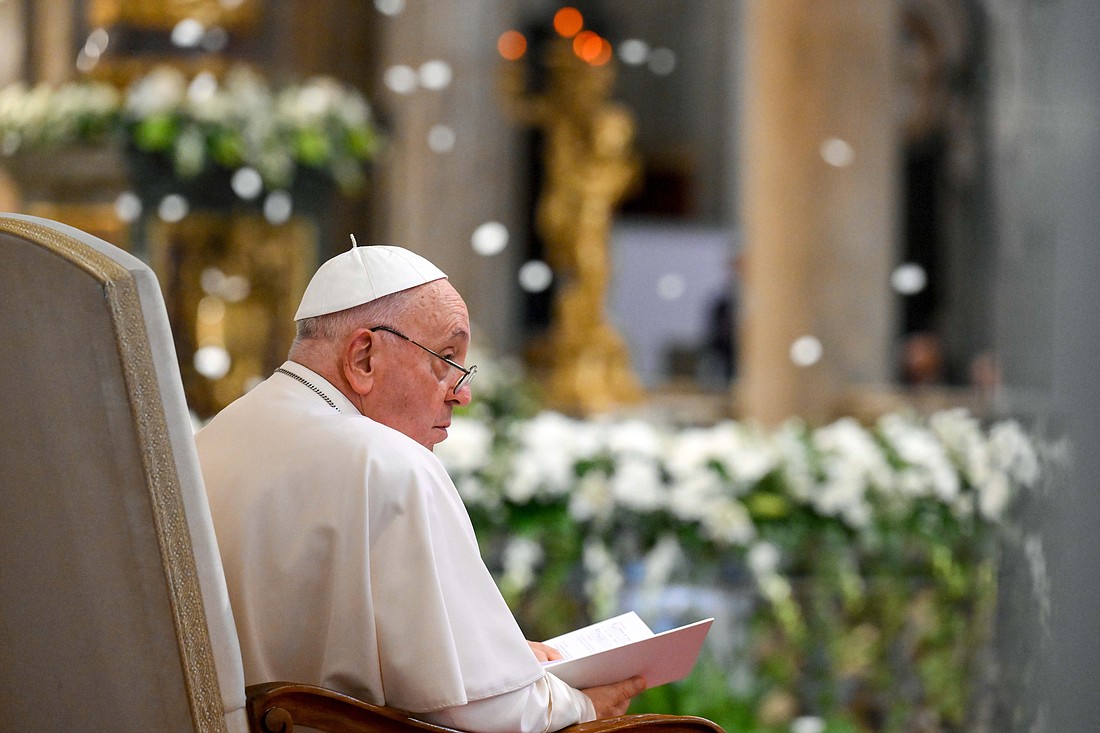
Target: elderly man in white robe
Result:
[350, 559]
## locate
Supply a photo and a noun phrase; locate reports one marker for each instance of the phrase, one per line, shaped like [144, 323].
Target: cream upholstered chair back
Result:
[113, 608]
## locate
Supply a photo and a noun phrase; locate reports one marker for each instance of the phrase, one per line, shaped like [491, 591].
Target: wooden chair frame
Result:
[276, 707]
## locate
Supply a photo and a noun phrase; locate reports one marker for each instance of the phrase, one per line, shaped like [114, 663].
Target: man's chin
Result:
[437, 436]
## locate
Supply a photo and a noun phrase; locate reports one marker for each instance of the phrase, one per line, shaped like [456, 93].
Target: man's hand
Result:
[612, 700]
[544, 653]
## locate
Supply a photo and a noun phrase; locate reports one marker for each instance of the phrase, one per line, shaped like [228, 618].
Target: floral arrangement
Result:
[43, 116]
[868, 553]
[204, 123]
[243, 122]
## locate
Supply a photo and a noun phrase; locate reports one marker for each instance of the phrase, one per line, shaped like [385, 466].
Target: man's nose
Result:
[463, 396]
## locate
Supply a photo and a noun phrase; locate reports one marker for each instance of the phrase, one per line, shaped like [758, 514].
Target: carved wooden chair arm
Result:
[276, 707]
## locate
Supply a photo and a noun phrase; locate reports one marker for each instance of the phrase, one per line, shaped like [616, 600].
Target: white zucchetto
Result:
[363, 274]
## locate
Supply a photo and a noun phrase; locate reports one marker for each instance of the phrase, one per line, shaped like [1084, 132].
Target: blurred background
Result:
[678, 223]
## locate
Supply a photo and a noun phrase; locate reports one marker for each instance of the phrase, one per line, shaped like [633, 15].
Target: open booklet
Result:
[622, 647]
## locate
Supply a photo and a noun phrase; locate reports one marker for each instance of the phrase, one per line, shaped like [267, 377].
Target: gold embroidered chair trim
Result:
[162, 483]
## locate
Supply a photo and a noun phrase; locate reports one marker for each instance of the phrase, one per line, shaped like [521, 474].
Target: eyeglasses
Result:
[467, 374]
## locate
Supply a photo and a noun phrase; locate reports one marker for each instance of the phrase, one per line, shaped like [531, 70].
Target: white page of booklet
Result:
[602, 635]
[622, 647]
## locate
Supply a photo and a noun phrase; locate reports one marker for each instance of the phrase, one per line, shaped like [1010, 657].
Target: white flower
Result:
[728, 522]
[808, 724]
[218, 108]
[699, 493]
[70, 103]
[161, 91]
[851, 464]
[749, 455]
[743, 453]
[691, 496]
[691, 451]
[929, 471]
[468, 447]
[467, 451]
[309, 104]
[843, 493]
[634, 438]
[660, 563]
[44, 115]
[993, 466]
[520, 559]
[775, 588]
[474, 493]
[993, 497]
[1013, 452]
[910, 483]
[189, 152]
[494, 373]
[592, 498]
[275, 165]
[604, 581]
[849, 443]
[857, 515]
[249, 90]
[12, 104]
[963, 507]
[549, 446]
[523, 481]
[961, 435]
[637, 485]
[353, 110]
[763, 559]
[794, 460]
[36, 107]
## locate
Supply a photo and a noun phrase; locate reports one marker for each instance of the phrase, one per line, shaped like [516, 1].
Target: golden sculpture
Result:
[231, 281]
[165, 14]
[589, 166]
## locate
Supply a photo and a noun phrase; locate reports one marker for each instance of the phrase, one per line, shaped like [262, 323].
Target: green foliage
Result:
[204, 124]
[869, 552]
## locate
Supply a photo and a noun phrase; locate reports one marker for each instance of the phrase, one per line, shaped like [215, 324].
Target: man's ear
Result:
[358, 361]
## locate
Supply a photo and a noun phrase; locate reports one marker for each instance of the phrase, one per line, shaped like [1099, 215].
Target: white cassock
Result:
[352, 564]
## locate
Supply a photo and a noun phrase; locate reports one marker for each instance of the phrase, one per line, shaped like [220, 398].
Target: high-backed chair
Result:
[114, 613]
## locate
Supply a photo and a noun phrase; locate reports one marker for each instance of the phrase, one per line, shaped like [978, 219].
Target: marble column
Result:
[53, 52]
[451, 160]
[819, 151]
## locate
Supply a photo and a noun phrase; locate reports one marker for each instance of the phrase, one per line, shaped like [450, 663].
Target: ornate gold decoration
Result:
[231, 282]
[238, 16]
[97, 219]
[165, 14]
[589, 166]
[162, 483]
[76, 184]
[122, 71]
